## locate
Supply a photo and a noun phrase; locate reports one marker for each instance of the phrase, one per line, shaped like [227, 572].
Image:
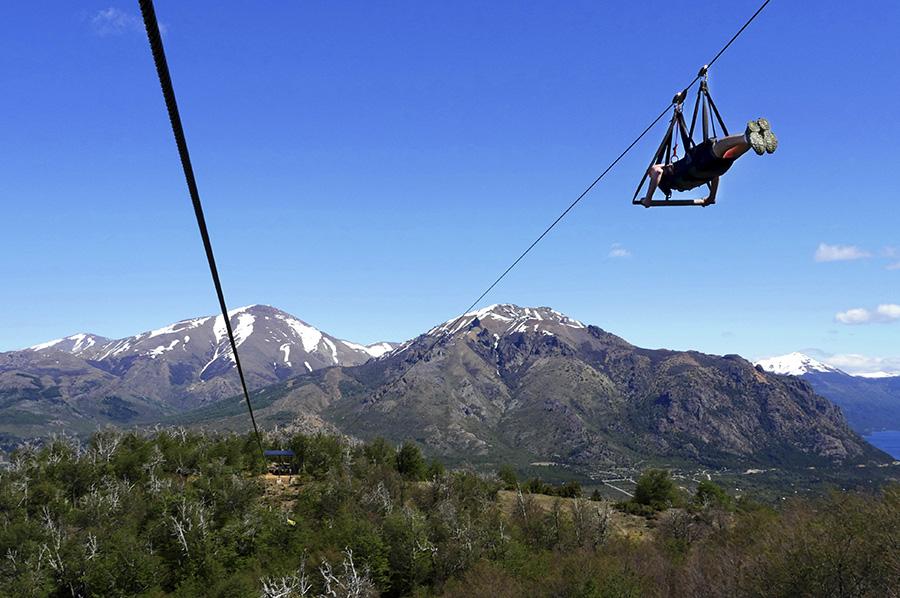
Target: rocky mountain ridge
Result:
[870, 402]
[504, 383]
[85, 380]
[531, 384]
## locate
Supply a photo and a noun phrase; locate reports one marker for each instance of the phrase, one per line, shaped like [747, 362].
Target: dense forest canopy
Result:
[186, 514]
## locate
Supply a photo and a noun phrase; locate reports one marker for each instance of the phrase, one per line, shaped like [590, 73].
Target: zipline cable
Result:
[567, 210]
[162, 69]
[451, 324]
[165, 81]
[613, 163]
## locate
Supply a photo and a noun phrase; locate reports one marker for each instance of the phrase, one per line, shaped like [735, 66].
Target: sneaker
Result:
[754, 137]
[769, 140]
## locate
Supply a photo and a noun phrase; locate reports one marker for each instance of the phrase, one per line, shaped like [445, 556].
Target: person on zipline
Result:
[707, 161]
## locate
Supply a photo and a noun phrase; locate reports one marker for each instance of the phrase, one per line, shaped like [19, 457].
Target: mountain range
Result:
[505, 383]
[82, 381]
[870, 402]
[524, 385]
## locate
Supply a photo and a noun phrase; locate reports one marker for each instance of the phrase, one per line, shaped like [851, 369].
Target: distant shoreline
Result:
[886, 440]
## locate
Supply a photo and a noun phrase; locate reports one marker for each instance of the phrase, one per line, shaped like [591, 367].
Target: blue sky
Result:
[371, 167]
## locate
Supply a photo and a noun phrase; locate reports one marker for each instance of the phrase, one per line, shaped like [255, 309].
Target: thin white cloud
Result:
[891, 252]
[857, 315]
[618, 251]
[114, 21]
[883, 314]
[839, 253]
[890, 311]
[854, 363]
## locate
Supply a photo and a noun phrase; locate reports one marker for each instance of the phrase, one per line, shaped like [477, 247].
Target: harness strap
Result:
[716, 112]
[664, 150]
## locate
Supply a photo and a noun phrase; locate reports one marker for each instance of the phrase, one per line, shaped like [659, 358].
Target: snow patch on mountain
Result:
[379, 349]
[75, 344]
[244, 327]
[331, 345]
[878, 375]
[162, 349]
[795, 364]
[47, 345]
[375, 350]
[520, 316]
[219, 329]
[218, 353]
[115, 348]
[514, 318]
[309, 336]
[82, 342]
[177, 327]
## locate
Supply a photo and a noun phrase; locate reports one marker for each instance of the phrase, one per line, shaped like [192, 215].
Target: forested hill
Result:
[182, 514]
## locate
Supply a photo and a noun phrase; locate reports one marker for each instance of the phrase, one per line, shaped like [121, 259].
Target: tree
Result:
[656, 490]
[380, 452]
[507, 475]
[323, 455]
[570, 489]
[410, 462]
[711, 495]
[436, 469]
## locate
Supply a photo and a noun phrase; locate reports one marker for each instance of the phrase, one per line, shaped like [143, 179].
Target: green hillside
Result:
[184, 514]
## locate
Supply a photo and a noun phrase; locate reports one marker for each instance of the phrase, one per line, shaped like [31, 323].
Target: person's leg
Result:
[655, 173]
[733, 146]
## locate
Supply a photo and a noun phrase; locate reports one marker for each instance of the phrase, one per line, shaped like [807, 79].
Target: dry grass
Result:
[625, 525]
[283, 490]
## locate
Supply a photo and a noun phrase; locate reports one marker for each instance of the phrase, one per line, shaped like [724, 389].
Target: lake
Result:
[886, 440]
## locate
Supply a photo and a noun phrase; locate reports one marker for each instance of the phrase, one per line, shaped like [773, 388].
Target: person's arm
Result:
[713, 189]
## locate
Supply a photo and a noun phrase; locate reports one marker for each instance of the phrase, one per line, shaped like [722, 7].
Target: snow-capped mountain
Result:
[794, 364]
[797, 364]
[878, 375]
[500, 320]
[77, 344]
[277, 333]
[534, 383]
[168, 369]
[870, 401]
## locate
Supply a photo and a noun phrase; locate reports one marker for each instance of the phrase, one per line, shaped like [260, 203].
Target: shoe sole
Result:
[757, 142]
[771, 142]
[760, 136]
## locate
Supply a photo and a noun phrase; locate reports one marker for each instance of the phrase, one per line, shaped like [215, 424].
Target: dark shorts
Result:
[697, 168]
